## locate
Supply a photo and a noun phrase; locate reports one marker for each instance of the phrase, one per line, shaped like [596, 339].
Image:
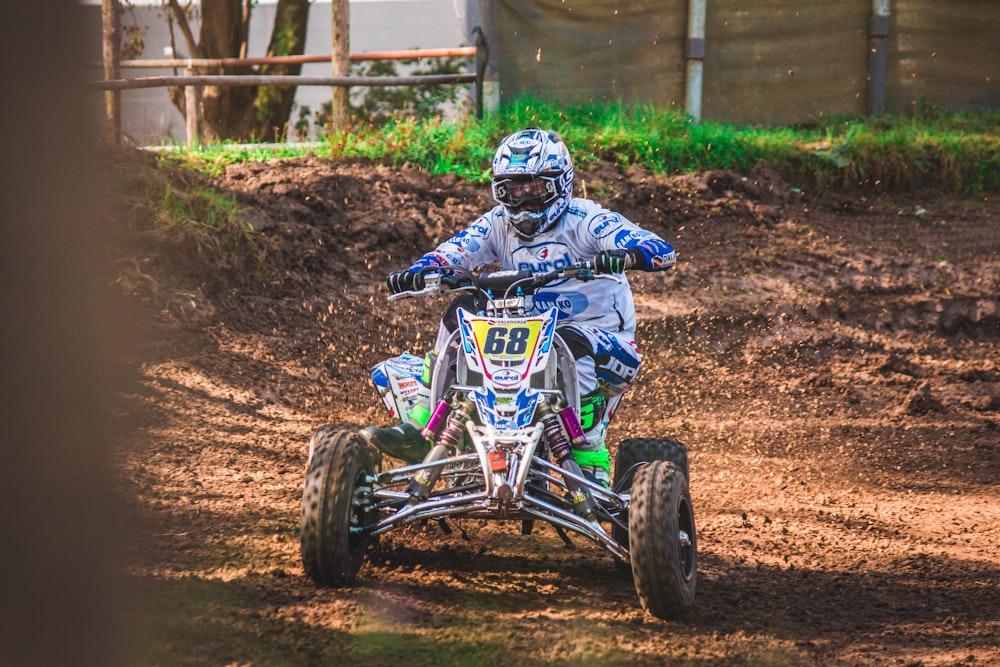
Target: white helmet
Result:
[533, 180]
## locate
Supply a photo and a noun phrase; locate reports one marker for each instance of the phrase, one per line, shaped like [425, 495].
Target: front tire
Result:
[662, 540]
[336, 519]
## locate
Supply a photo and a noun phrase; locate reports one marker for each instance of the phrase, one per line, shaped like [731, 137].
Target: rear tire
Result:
[638, 450]
[662, 540]
[633, 450]
[336, 518]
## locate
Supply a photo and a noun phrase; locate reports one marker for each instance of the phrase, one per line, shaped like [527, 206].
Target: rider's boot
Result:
[402, 442]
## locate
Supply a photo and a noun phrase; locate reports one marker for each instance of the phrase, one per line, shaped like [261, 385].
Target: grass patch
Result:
[179, 218]
[928, 149]
[212, 217]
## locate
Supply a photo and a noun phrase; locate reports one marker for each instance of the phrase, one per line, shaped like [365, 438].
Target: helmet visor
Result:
[518, 193]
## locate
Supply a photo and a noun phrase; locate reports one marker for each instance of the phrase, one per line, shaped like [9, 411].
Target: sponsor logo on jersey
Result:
[466, 241]
[661, 253]
[604, 224]
[481, 227]
[542, 258]
[449, 258]
[566, 303]
[627, 237]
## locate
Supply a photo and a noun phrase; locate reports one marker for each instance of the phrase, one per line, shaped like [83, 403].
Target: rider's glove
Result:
[613, 261]
[404, 281]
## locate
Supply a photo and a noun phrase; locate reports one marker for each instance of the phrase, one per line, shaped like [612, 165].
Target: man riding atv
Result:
[538, 225]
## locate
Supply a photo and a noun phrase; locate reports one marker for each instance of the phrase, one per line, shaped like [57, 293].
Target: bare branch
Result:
[246, 28]
[193, 48]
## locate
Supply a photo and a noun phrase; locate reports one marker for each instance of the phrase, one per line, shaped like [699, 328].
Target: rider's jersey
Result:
[583, 231]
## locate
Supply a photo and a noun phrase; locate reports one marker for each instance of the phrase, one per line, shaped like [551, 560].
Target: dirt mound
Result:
[328, 216]
[833, 366]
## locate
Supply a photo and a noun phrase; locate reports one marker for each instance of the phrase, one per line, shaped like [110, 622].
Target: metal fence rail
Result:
[192, 82]
[281, 80]
[406, 54]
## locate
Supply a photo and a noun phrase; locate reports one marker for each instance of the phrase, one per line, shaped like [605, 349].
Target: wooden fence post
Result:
[111, 27]
[340, 62]
[192, 109]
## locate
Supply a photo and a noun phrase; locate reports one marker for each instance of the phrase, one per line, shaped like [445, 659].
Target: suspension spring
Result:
[559, 445]
[452, 433]
[552, 429]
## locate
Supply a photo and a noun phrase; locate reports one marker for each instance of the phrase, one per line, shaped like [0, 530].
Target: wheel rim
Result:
[685, 537]
[357, 518]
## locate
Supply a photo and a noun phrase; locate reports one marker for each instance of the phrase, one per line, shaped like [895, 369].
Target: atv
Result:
[504, 408]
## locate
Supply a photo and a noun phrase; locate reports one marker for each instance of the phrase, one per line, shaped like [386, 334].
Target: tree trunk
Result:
[227, 112]
[242, 112]
[273, 104]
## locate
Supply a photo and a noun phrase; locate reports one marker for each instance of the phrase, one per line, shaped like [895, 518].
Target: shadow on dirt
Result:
[917, 605]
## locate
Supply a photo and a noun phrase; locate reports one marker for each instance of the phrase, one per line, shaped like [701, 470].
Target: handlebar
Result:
[499, 283]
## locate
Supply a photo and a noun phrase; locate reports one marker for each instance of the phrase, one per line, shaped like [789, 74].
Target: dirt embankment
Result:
[832, 364]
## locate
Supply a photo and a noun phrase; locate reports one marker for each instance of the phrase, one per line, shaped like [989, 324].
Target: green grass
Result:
[184, 207]
[201, 209]
[928, 149]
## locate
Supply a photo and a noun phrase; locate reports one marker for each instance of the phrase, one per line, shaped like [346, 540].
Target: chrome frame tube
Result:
[416, 467]
[570, 520]
[528, 455]
[430, 509]
[599, 492]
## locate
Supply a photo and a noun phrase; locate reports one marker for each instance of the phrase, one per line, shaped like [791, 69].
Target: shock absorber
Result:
[437, 421]
[447, 440]
[559, 445]
[571, 422]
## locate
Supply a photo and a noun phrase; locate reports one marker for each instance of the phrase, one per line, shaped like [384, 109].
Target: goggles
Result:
[515, 193]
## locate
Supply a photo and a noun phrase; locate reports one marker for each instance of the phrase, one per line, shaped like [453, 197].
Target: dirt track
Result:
[833, 366]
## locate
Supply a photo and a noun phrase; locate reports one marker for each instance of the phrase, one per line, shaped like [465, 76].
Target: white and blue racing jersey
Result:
[580, 234]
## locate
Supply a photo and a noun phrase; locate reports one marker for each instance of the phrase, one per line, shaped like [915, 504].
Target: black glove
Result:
[613, 261]
[404, 281]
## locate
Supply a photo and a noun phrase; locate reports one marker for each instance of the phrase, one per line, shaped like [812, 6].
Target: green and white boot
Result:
[403, 442]
[595, 465]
